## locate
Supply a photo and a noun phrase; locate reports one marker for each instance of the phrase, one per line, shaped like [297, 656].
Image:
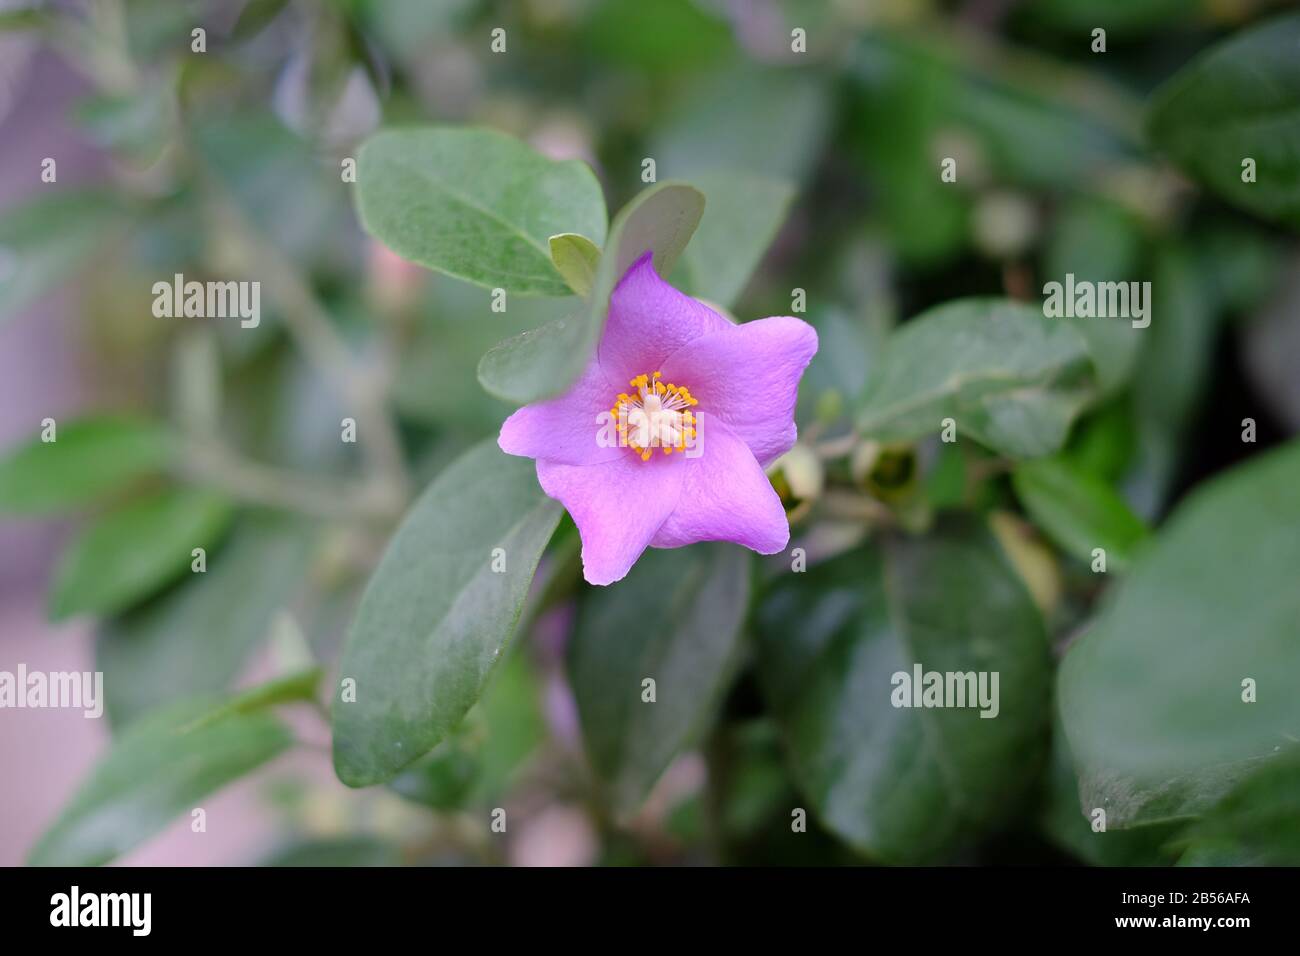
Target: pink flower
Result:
[663, 439]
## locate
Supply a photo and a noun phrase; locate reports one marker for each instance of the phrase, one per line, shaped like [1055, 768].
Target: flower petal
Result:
[725, 497]
[748, 375]
[618, 506]
[648, 321]
[567, 428]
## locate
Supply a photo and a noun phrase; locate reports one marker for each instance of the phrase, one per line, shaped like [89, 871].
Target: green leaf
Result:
[1078, 510]
[197, 637]
[162, 766]
[45, 240]
[1239, 100]
[1011, 377]
[435, 616]
[696, 600]
[743, 215]
[1172, 376]
[1151, 696]
[90, 458]
[133, 551]
[479, 760]
[1257, 823]
[1070, 826]
[576, 258]
[476, 204]
[544, 362]
[907, 784]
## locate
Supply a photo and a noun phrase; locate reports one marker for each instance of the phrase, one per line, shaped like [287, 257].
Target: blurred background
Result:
[221, 163]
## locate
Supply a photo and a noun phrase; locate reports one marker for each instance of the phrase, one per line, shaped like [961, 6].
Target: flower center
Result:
[656, 415]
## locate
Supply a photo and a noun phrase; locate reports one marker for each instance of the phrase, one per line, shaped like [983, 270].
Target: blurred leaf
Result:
[742, 215]
[435, 616]
[336, 852]
[197, 637]
[132, 552]
[476, 204]
[899, 91]
[904, 784]
[44, 241]
[1010, 377]
[1159, 731]
[1099, 242]
[1257, 823]
[90, 458]
[162, 766]
[696, 599]
[1171, 377]
[575, 258]
[1239, 100]
[1069, 826]
[1078, 510]
[276, 179]
[766, 121]
[443, 779]
[1103, 443]
[544, 362]
[669, 35]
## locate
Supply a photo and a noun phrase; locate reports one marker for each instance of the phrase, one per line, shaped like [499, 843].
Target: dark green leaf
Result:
[1008, 375]
[907, 784]
[676, 619]
[1257, 823]
[1152, 696]
[1240, 100]
[90, 458]
[1078, 510]
[476, 204]
[436, 617]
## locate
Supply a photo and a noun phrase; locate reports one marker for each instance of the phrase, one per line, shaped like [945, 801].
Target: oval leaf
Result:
[90, 458]
[133, 551]
[1239, 101]
[436, 616]
[1152, 696]
[907, 784]
[476, 204]
[1008, 375]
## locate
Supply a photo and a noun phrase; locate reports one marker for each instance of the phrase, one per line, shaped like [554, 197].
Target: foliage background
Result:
[225, 164]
